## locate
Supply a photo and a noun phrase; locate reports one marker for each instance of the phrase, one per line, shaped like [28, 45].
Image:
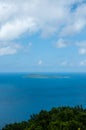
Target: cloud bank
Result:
[65, 18]
[8, 48]
[62, 18]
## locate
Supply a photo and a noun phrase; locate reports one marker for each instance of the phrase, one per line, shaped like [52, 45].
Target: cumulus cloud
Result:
[49, 17]
[81, 44]
[8, 48]
[40, 62]
[76, 21]
[82, 47]
[61, 43]
[82, 51]
[73, 28]
[14, 29]
[30, 44]
[83, 63]
[64, 63]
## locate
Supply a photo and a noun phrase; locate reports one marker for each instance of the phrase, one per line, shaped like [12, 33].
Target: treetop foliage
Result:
[61, 118]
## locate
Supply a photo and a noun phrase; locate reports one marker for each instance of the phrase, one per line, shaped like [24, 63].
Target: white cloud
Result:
[18, 17]
[68, 63]
[64, 63]
[13, 29]
[81, 43]
[82, 47]
[73, 28]
[76, 20]
[30, 44]
[8, 48]
[83, 63]
[7, 11]
[40, 62]
[82, 51]
[61, 43]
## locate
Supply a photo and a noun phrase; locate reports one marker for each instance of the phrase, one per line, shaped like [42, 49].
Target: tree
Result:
[61, 118]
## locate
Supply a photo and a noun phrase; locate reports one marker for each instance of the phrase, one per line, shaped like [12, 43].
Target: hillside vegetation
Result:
[61, 118]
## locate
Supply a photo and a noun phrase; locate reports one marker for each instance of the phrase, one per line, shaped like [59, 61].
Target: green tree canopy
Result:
[61, 118]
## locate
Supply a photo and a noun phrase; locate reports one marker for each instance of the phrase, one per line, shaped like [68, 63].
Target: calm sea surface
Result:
[21, 96]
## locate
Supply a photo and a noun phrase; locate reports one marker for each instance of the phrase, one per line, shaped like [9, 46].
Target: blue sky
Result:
[42, 36]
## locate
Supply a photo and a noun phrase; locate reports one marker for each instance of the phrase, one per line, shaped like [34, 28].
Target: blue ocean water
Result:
[21, 96]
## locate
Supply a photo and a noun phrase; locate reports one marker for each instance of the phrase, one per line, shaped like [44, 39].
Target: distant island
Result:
[45, 76]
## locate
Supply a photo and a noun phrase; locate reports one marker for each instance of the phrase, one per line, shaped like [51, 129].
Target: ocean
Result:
[22, 96]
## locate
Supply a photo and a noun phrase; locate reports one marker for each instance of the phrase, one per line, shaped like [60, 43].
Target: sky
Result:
[42, 36]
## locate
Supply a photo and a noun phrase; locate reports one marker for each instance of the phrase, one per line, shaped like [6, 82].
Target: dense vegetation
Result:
[61, 118]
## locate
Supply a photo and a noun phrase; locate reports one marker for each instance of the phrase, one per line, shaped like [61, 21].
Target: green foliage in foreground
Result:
[61, 118]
